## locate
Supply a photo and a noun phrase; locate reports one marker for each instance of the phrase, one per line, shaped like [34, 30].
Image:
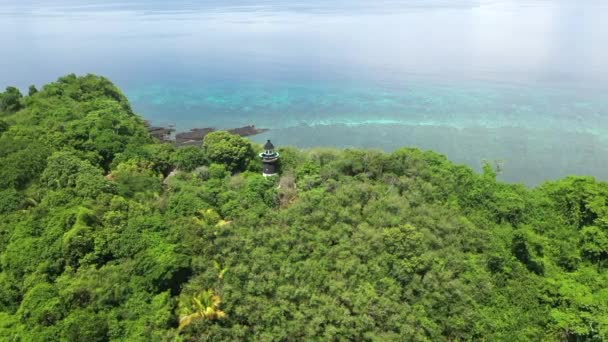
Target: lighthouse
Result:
[269, 159]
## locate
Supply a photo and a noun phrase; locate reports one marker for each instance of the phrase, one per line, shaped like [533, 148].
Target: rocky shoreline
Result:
[196, 135]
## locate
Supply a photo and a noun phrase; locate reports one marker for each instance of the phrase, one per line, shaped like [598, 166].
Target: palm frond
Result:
[199, 305]
[216, 300]
[221, 314]
[187, 320]
[222, 272]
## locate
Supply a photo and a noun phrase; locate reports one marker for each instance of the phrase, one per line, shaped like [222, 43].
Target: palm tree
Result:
[205, 306]
[220, 275]
[210, 217]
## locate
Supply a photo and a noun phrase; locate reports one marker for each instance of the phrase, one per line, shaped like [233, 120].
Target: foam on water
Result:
[284, 104]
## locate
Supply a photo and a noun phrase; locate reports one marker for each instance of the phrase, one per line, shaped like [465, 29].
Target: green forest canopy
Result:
[97, 244]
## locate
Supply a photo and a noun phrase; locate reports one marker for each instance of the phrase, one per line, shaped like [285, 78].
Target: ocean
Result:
[521, 82]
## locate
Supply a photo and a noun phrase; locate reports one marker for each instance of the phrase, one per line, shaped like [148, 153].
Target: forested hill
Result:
[98, 244]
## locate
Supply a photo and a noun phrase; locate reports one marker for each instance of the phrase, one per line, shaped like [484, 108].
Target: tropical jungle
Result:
[108, 234]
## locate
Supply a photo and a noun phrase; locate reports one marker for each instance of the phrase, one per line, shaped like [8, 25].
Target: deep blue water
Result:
[521, 81]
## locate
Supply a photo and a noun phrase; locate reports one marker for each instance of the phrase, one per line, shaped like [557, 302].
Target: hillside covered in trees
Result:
[98, 244]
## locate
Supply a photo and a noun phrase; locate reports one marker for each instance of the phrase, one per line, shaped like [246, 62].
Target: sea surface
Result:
[522, 82]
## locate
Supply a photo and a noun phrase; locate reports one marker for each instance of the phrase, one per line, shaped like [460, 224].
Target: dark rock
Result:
[161, 133]
[195, 135]
[247, 131]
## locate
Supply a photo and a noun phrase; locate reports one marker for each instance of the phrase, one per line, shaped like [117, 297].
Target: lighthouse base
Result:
[269, 174]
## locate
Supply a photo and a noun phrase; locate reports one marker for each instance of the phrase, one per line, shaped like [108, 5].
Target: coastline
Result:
[195, 136]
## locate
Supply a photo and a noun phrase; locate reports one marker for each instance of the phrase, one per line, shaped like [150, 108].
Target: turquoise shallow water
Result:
[537, 134]
[527, 156]
[459, 105]
[521, 81]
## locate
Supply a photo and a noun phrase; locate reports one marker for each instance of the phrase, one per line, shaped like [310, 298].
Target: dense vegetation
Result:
[97, 243]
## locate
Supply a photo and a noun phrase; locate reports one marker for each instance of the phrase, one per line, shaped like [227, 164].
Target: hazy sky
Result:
[510, 40]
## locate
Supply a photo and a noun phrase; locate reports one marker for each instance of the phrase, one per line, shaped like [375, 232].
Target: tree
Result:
[23, 166]
[203, 306]
[10, 100]
[32, 90]
[41, 305]
[231, 150]
[189, 158]
[65, 170]
[106, 130]
[157, 156]
[132, 178]
[10, 200]
[85, 326]
[594, 243]
[3, 127]
[62, 170]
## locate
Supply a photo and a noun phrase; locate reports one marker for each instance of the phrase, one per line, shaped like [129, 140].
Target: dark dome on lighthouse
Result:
[268, 146]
